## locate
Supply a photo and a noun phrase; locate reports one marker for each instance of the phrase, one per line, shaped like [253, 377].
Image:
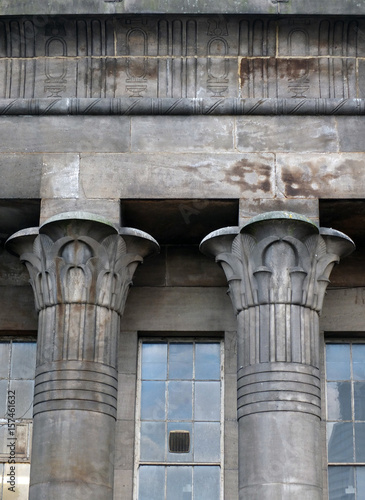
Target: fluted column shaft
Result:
[81, 268]
[278, 268]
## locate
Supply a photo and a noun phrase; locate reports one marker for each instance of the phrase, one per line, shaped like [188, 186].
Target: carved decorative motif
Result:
[278, 269]
[186, 106]
[180, 56]
[137, 44]
[69, 264]
[81, 269]
[55, 61]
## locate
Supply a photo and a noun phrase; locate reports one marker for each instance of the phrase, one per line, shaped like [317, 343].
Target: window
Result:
[17, 369]
[180, 421]
[345, 388]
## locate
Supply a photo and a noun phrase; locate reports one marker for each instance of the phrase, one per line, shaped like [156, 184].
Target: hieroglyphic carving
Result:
[55, 62]
[217, 63]
[179, 57]
[298, 69]
[137, 47]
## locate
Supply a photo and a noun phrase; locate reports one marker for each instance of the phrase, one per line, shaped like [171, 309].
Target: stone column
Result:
[80, 268]
[278, 268]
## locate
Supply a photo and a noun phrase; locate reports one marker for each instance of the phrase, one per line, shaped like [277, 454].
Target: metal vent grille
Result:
[179, 441]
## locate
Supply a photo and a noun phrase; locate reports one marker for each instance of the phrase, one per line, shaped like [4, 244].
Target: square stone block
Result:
[286, 133]
[321, 176]
[64, 134]
[28, 168]
[60, 176]
[182, 134]
[110, 209]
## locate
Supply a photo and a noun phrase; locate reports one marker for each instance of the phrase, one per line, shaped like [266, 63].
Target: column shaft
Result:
[277, 267]
[81, 270]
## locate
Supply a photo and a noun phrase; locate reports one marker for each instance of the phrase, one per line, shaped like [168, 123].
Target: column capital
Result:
[277, 258]
[81, 258]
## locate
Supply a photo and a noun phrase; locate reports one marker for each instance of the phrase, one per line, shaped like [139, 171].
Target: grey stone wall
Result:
[252, 104]
[85, 162]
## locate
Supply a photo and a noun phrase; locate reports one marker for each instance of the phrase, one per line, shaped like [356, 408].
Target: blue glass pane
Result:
[23, 360]
[3, 398]
[207, 441]
[207, 401]
[179, 483]
[153, 441]
[360, 482]
[359, 400]
[358, 361]
[4, 434]
[4, 359]
[207, 361]
[181, 361]
[341, 483]
[151, 482]
[360, 442]
[154, 361]
[24, 393]
[338, 362]
[339, 401]
[340, 442]
[153, 400]
[206, 483]
[180, 400]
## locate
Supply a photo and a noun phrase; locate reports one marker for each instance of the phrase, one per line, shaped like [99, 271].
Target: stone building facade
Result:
[221, 145]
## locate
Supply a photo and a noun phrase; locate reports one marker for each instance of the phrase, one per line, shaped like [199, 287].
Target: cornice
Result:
[273, 7]
[180, 106]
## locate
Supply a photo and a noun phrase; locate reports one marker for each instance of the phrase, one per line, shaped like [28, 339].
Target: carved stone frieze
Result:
[182, 56]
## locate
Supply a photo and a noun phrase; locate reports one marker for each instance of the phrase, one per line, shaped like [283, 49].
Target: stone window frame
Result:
[172, 337]
[335, 338]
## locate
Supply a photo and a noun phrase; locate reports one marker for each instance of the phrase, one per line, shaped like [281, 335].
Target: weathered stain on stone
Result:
[327, 176]
[254, 175]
